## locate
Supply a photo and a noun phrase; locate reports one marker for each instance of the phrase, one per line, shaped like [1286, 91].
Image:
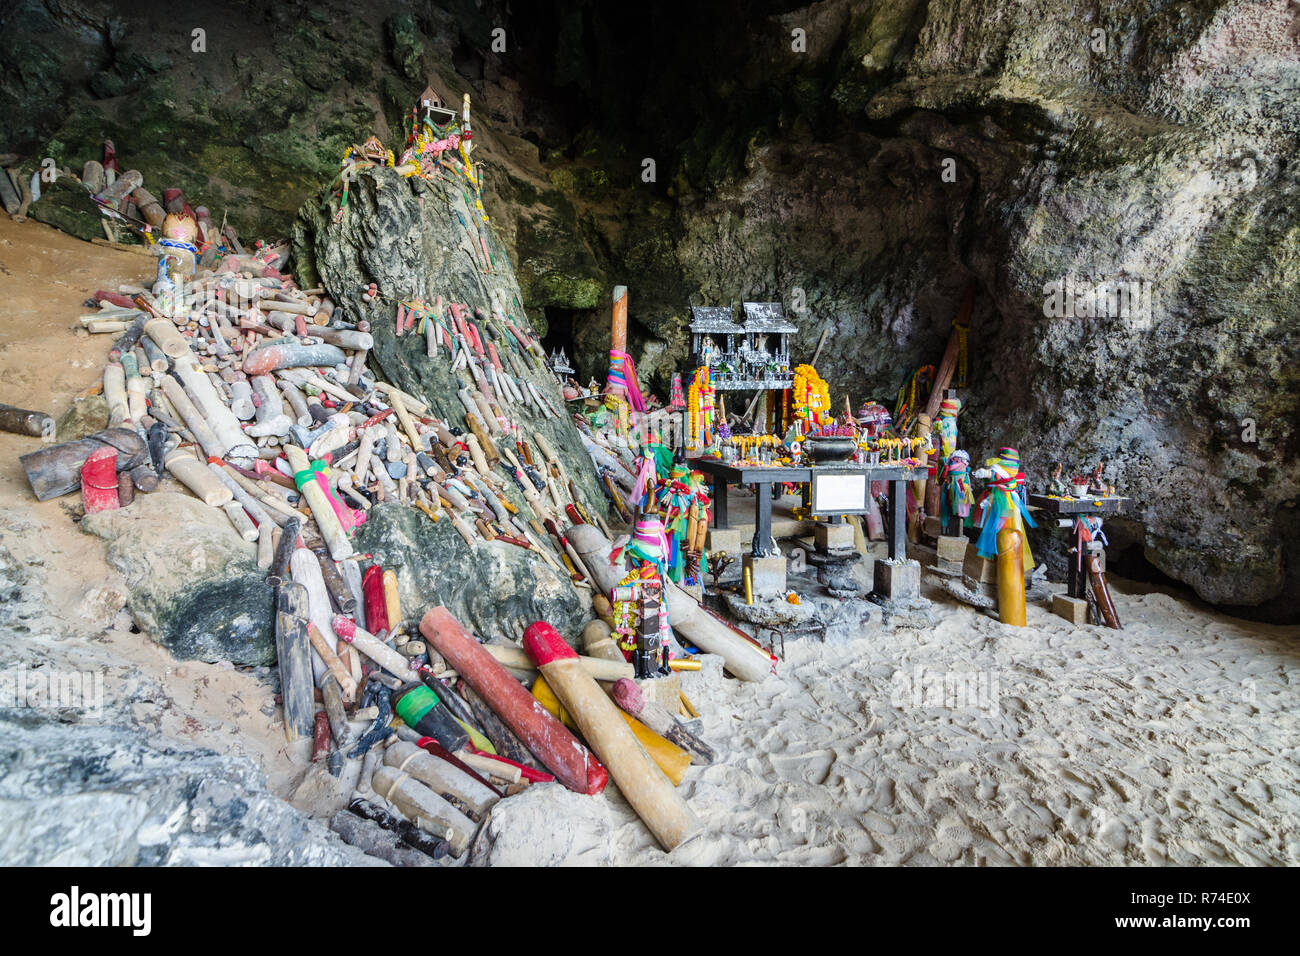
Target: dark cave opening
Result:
[559, 332]
[1131, 562]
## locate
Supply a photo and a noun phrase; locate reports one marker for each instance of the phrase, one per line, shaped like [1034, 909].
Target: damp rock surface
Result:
[907, 152]
[422, 241]
[494, 589]
[113, 795]
[194, 585]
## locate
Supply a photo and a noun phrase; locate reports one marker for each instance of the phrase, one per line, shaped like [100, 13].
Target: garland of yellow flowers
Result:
[812, 396]
[701, 414]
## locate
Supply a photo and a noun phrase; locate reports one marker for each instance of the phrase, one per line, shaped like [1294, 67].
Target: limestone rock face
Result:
[421, 241]
[866, 176]
[496, 589]
[114, 795]
[1114, 182]
[194, 582]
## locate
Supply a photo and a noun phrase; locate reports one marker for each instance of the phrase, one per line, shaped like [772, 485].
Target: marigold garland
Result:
[812, 398]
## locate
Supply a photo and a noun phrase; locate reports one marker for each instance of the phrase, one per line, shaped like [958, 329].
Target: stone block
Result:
[768, 574]
[952, 548]
[1074, 610]
[833, 537]
[665, 690]
[933, 527]
[900, 579]
[733, 541]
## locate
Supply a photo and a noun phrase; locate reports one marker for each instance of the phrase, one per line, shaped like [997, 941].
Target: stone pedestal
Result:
[731, 540]
[665, 690]
[952, 548]
[833, 537]
[768, 574]
[901, 579]
[1074, 610]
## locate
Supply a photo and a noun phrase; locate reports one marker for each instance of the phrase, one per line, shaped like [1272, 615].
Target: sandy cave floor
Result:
[1171, 741]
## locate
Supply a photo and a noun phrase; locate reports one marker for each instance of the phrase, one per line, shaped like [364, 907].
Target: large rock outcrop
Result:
[863, 160]
[114, 795]
[195, 586]
[870, 160]
[495, 590]
[418, 240]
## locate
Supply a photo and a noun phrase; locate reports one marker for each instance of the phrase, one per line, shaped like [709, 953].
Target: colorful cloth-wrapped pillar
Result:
[1003, 505]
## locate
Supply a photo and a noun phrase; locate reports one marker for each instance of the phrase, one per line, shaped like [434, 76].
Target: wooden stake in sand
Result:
[629, 697]
[1011, 578]
[424, 808]
[441, 777]
[322, 510]
[641, 782]
[400, 667]
[195, 476]
[598, 668]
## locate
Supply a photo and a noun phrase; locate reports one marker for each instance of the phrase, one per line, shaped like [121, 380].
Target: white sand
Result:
[1171, 741]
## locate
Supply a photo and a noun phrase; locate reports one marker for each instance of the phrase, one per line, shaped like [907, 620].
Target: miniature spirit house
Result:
[766, 349]
[761, 358]
[713, 337]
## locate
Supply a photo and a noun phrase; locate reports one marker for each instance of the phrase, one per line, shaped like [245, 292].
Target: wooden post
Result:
[619, 329]
[640, 781]
[897, 519]
[1105, 606]
[618, 339]
[949, 363]
[294, 660]
[1011, 578]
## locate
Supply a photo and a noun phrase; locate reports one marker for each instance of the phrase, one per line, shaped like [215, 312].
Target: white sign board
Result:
[839, 494]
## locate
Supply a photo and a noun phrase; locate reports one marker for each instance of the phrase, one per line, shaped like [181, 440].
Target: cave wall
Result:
[1145, 141]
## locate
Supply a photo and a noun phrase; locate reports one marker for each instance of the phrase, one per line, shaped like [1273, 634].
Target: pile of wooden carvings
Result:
[255, 396]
